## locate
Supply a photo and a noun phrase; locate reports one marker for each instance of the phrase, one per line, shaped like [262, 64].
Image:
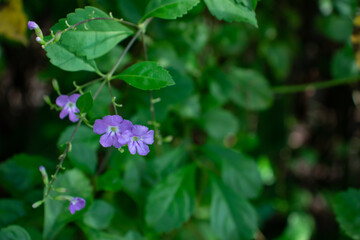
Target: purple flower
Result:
[68, 103]
[137, 138]
[112, 127]
[76, 204]
[32, 25]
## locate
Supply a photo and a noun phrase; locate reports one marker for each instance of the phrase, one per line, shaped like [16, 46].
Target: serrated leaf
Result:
[85, 102]
[232, 217]
[94, 38]
[230, 10]
[14, 232]
[146, 76]
[57, 213]
[172, 201]
[63, 58]
[250, 89]
[347, 211]
[168, 9]
[237, 170]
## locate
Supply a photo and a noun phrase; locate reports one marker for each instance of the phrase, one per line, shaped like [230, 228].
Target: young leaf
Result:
[85, 102]
[63, 58]
[168, 9]
[94, 38]
[172, 201]
[347, 211]
[230, 10]
[14, 232]
[146, 76]
[232, 217]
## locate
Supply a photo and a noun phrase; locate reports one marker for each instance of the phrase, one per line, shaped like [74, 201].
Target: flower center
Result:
[135, 138]
[113, 129]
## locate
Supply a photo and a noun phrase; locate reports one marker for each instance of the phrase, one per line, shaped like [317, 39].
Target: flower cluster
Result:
[118, 132]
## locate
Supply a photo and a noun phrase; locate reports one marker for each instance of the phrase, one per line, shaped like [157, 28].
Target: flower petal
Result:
[73, 117]
[100, 126]
[64, 112]
[74, 97]
[106, 140]
[148, 138]
[124, 138]
[72, 208]
[139, 130]
[62, 100]
[125, 125]
[142, 148]
[112, 120]
[132, 148]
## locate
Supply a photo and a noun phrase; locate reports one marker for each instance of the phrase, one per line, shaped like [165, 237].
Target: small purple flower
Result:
[68, 103]
[76, 204]
[32, 25]
[137, 139]
[112, 127]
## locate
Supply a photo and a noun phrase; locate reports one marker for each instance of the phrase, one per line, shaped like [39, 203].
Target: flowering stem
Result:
[80, 87]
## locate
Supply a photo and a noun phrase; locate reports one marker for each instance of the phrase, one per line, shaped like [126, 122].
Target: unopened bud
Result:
[63, 198]
[40, 40]
[32, 25]
[168, 139]
[61, 190]
[44, 175]
[55, 85]
[57, 36]
[37, 204]
[47, 100]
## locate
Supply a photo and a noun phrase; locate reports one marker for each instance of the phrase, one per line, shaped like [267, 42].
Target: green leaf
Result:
[85, 102]
[14, 232]
[250, 89]
[99, 215]
[57, 213]
[168, 9]
[219, 123]
[94, 38]
[299, 226]
[84, 146]
[230, 10]
[63, 58]
[172, 201]
[94, 234]
[10, 210]
[132, 235]
[347, 211]
[20, 173]
[232, 217]
[237, 170]
[110, 181]
[146, 76]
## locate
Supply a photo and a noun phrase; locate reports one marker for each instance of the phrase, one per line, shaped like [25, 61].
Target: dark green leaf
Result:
[219, 123]
[168, 9]
[21, 173]
[146, 76]
[14, 232]
[57, 213]
[250, 89]
[10, 210]
[230, 10]
[172, 201]
[347, 210]
[84, 147]
[232, 217]
[110, 181]
[85, 102]
[99, 215]
[237, 171]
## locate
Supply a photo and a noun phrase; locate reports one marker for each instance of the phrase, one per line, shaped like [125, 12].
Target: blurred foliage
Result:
[238, 161]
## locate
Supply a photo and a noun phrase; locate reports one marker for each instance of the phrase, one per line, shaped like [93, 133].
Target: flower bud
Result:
[39, 40]
[55, 85]
[32, 25]
[57, 36]
[60, 190]
[44, 175]
[38, 203]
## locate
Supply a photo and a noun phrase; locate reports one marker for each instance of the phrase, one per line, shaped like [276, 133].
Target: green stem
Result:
[314, 86]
